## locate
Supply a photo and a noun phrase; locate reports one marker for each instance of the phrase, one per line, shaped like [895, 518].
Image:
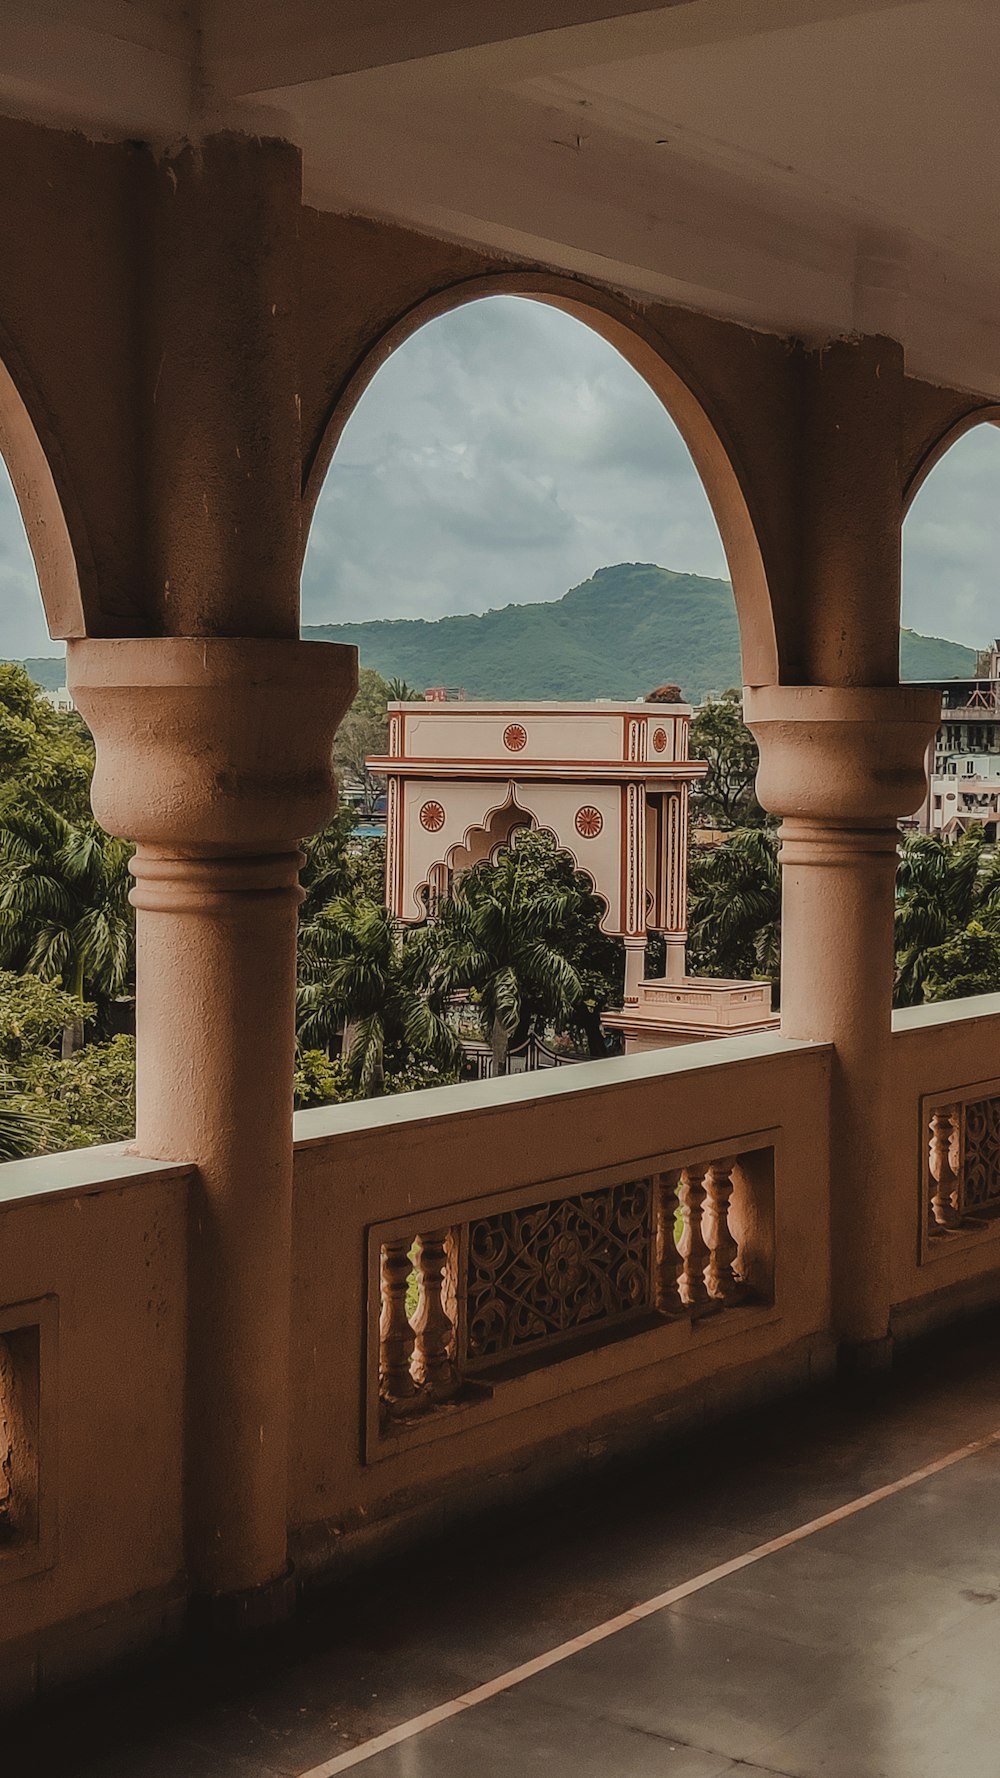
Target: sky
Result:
[505, 452]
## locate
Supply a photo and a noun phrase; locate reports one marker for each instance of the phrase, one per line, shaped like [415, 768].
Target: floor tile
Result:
[701, 1683]
[511, 1738]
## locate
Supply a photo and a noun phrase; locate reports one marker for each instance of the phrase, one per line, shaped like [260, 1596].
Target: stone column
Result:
[214, 754]
[841, 765]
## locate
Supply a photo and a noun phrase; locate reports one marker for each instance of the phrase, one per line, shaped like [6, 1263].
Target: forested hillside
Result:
[625, 630]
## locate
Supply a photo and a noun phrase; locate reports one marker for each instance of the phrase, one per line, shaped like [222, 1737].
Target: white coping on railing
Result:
[78, 1171]
[946, 1012]
[431, 1104]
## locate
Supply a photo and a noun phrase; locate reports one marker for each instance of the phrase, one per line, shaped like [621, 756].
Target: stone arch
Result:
[627, 330]
[938, 447]
[43, 512]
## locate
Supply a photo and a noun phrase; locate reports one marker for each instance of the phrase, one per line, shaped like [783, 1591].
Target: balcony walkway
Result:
[869, 1648]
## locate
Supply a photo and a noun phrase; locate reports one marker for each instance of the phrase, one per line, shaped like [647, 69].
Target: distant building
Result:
[963, 766]
[610, 782]
[60, 699]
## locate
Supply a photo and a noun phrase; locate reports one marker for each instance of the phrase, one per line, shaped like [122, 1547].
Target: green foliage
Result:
[44, 753]
[726, 797]
[33, 1015]
[947, 896]
[734, 895]
[967, 964]
[357, 975]
[363, 732]
[22, 1131]
[64, 911]
[522, 936]
[609, 637]
[318, 1080]
[83, 1099]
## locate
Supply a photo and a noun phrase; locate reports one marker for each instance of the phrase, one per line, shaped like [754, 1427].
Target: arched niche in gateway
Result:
[483, 843]
[639, 344]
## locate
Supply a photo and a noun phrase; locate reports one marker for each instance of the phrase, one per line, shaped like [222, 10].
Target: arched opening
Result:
[698, 445]
[948, 907]
[67, 1063]
[42, 519]
[526, 527]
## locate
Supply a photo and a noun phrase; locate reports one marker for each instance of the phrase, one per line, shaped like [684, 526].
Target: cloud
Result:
[501, 455]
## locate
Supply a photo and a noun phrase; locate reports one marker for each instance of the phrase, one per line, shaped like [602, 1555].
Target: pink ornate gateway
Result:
[610, 782]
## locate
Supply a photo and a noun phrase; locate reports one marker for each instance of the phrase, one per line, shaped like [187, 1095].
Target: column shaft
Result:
[215, 1027]
[841, 765]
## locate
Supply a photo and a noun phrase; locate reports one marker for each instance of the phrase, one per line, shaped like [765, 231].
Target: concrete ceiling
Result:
[812, 166]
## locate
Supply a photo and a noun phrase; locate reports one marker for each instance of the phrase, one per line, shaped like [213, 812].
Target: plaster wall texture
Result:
[108, 1256]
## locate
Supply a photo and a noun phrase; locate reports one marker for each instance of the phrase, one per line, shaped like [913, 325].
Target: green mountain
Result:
[622, 632]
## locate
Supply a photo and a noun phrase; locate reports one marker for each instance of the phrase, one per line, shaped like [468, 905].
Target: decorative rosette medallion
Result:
[432, 817]
[659, 740]
[589, 822]
[515, 737]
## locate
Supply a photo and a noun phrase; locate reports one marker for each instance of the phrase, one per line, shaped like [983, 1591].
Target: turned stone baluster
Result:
[944, 1133]
[433, 1367]
[396, 1341]
[693, 1249]
[668, 1259]
[720, 1277]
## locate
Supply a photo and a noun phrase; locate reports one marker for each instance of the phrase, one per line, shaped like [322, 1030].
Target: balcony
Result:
[503, 1292]
[496, 1288]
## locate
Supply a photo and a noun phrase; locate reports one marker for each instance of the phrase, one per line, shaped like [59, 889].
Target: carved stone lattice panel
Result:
[980, 1188]
[540, 1273]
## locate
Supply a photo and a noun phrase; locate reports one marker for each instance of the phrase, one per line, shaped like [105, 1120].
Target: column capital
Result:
[212, 745]
[851, 756]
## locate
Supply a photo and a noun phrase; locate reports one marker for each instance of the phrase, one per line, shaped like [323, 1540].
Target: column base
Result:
[865, 1358]
[232, 1615]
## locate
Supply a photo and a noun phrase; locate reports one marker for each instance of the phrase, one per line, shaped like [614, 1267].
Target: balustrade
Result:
[962, 1169]
[521, 1282]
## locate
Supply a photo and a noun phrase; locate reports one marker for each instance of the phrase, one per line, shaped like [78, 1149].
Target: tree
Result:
[64, 910]
[726, 796]
[81, 1099]
[942, 890]
[398, 692]
[44, 753]
[734, 892]
[48, 1102]
[364, 732]
[359, 976]
[967, 964]
[522, 936]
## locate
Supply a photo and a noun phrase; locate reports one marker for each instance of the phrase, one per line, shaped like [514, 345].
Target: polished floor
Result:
[868, 1647]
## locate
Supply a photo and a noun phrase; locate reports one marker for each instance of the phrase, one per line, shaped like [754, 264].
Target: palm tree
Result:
[735, 895]
[64, 910]
[358, 976]
[507, 935]
[941, 890]
[398, 692]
